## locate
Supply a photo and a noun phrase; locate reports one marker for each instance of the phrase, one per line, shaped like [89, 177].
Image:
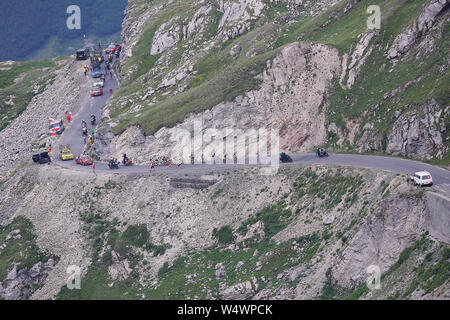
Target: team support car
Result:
[97, 72]
[112, 48]
[84, 160]
[65, 153]
[83, 54]
[56, 127]
[42, 158]
[96, 91]
[99, 83]
[422, 178]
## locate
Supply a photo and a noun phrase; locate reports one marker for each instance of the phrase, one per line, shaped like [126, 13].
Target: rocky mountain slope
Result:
[308, 232]
[311, 69]
[57, 90]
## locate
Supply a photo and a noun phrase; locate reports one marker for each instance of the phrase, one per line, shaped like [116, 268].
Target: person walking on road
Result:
[93, 167]
[152, 166]
[69, 117]
[85, 71]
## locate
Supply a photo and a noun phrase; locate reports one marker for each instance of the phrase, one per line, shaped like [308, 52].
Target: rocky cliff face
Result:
[291, 98]
[297, 94]
[418, 133]
[404, 41]
[142, 230]
[308, 232]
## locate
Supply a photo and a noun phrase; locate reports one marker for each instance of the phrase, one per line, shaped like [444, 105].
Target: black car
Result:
[284, 158]
[42, 158]
[83, 54]
[97, 72]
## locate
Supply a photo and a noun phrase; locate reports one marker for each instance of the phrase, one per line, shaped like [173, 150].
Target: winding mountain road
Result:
[72, 135]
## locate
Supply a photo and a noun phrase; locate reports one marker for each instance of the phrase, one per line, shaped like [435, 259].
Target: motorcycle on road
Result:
[113, 164]
[127, 163]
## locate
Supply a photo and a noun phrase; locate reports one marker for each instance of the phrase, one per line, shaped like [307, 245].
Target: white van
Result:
[98, 83]
[422, 178]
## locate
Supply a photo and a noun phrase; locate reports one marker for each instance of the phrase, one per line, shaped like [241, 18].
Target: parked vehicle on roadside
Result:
[65, 153]
[98, 83]
[96, 91]
[83, 54]
[56, 127]
[112, 48]
[97, 72]
[422, 178]
[84, 160]
[42, 158]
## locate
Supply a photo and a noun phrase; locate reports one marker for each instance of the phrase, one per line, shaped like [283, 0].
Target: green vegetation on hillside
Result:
[20, 82]
[229, 83]
[220, 76]
[109, 243]
[192, 274]
[20, 248]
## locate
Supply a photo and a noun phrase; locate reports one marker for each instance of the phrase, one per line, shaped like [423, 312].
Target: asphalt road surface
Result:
[73, 136]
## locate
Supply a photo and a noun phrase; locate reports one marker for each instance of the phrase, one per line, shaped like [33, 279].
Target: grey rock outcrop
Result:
[418, 133]
[404, 41]
[19, 284]
[239, 291]
[359, 56]
[220, 271]
[395, 225]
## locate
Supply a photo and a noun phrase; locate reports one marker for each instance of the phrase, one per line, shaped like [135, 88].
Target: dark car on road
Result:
[41, 158]
[284, 158]
[97, 72]
[83, 54]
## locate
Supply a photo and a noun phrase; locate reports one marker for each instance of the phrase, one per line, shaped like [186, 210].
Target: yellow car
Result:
[65, 153]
